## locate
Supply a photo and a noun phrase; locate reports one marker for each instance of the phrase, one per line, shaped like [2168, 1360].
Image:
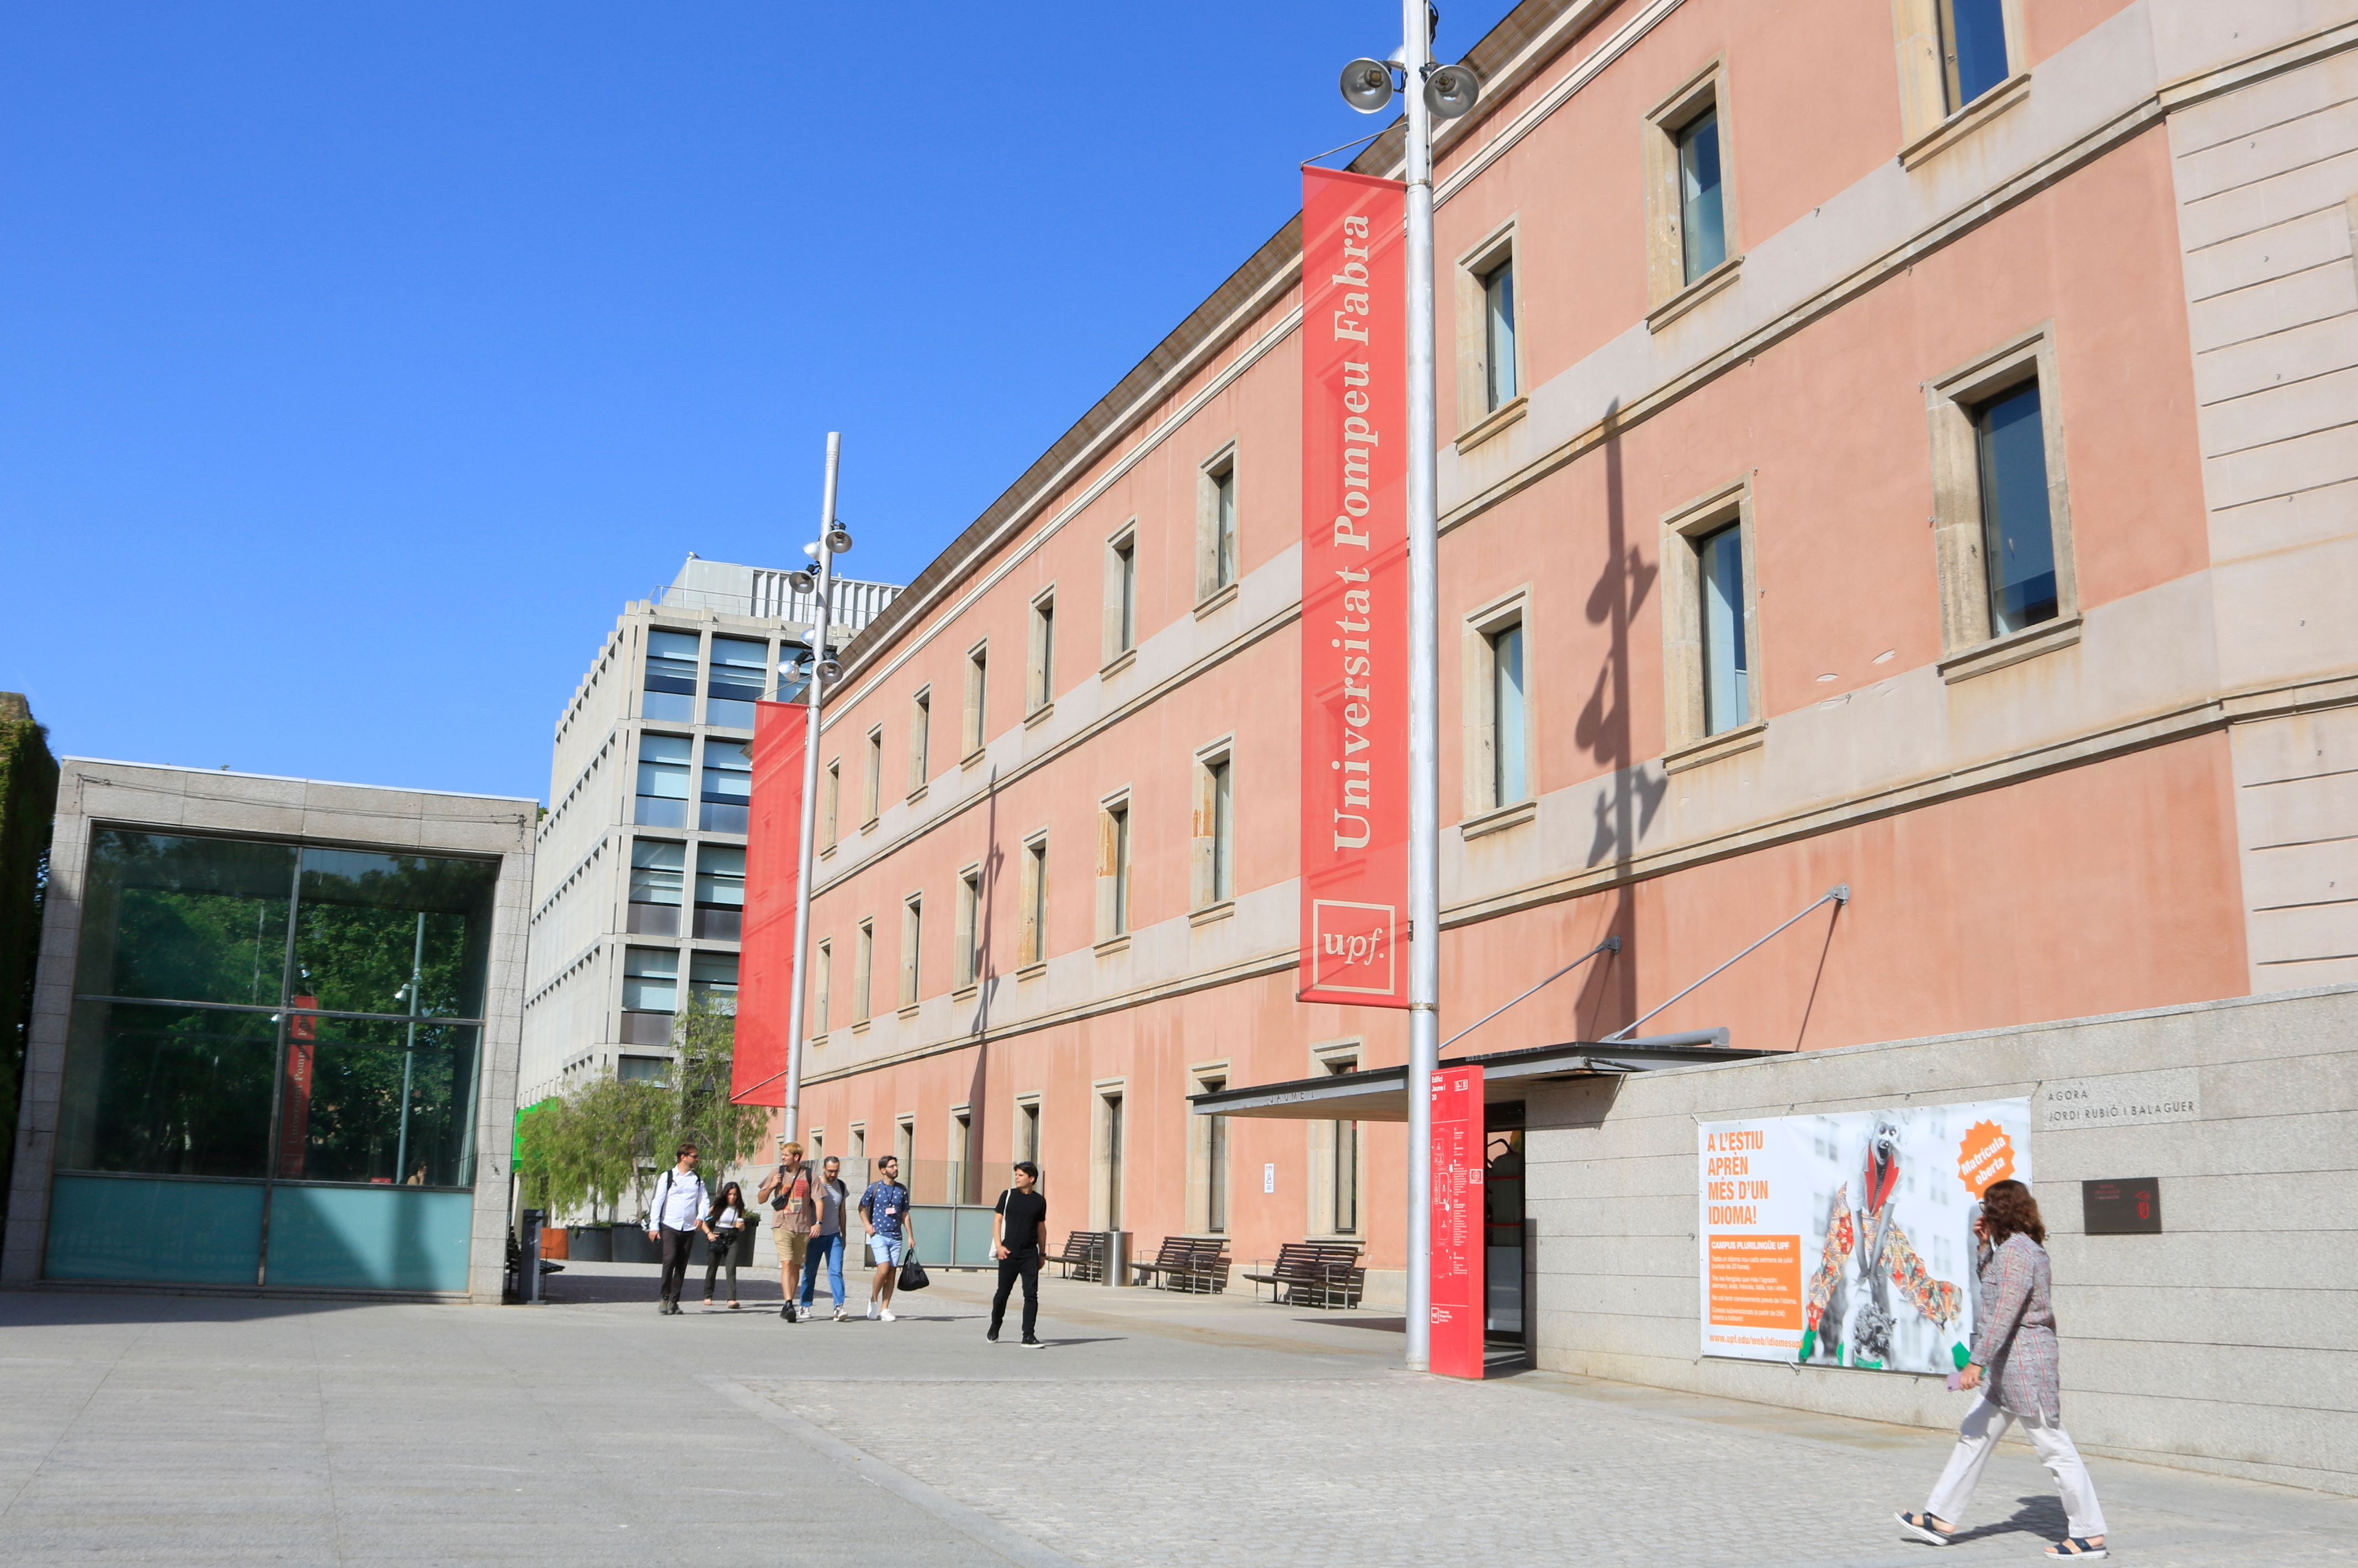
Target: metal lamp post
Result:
[820, 583]
[1444, 93]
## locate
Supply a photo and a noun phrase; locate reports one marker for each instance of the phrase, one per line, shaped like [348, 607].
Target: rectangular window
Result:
[670, 696]
[739, 665]
[1345, 1175]
[1727, 657]
[720, 892]
[713, 976]
[1972, 49]
[1113, 869]
[965, 1160]
[1215, 1136]
[2017, 530]
[978, 691]
[1035, 947]
[904, 1148]
[1215, 837]
[1109, 1135]
[863, 972]
[1224, 524]
[823, 991]
[663, 780]
[873, 786]
[1703, 229]
[913, 930]
[728, 804]
[643, 1069]
[1027, 1130]
[858, 1142]
[830, 809]
[1121, 596]
[1510, 748]
[650, 994]
[657, 871]
[921, 721]
[1041, 683]
[1498, 335]
[969, 957]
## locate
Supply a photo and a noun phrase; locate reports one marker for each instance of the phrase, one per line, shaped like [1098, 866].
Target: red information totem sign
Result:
[1354, 590]
[765, 966]
[1460, 1149]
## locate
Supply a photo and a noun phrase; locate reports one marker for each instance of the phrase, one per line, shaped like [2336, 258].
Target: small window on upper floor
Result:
[1216, 526]
[1972, 49]
[1216, 827]
[657, 870]
[720, 892]
[921, 726]
[739, 665]
[664, 764]
[1040, 680]
[1113, 869]
[670, 693]
[1703, 215]
[967, 960]
[1711, 638]
[1121, 596]
[1726, 655]
[1498, 335]
[2017, 528]
[728, 804]
[872, 786]
[976, 729]
[1034, 946]
[1510, 754]
[831, 805]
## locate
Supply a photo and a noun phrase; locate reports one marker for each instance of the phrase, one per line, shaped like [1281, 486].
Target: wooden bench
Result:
[1197, 1264]
[1084, 1255]
[1314, 1274]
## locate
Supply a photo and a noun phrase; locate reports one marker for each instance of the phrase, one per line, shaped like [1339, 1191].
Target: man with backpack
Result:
[1017, 1228]
[674, 1222]
[787, 1191]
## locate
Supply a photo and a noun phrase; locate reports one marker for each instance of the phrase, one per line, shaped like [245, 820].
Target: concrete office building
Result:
[643, 843]
[273, 1036]
[1893, 445]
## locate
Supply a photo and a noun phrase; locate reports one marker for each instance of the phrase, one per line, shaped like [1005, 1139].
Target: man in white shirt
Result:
[673, 1221]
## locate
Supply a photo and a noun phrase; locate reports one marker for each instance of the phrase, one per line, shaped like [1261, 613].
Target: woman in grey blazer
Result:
[2014, 1366]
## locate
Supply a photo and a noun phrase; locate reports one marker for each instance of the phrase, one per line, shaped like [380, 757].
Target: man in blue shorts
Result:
[884, 1210]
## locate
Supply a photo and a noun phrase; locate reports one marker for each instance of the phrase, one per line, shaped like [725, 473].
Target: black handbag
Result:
[913, 1273]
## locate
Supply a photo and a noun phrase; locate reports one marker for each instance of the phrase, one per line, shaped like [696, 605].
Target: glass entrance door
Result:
[1503, 1222]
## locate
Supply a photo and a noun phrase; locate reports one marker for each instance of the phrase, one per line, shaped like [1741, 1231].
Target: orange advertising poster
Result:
[1755, 1282]
[1986, 1155]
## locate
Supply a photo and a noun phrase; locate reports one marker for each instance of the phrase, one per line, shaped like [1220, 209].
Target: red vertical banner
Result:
[295, 1104]
[765, 964]
[1460, 1150]
[1354, 589]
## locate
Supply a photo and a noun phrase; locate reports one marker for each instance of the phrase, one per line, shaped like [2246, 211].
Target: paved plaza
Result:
[1154, 1430]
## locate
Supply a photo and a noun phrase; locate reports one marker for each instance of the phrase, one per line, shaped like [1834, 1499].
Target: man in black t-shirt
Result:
[1016, 1230]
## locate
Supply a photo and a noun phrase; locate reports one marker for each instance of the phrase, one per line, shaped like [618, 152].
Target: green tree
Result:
[700, 1111]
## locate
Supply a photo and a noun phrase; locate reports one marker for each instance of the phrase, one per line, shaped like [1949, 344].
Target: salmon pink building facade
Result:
[1889, 443]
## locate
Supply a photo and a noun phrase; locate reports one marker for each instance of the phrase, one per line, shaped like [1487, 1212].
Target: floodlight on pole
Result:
[801, 582]
[838, 542]
[1367, 85]
[1450, 90]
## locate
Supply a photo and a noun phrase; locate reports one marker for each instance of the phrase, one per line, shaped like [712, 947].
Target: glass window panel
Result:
[663, 780]
[642, 1069]
[1510, 751]
[1223, 485]
[365, 920]
[728, 799]
[651, 979]
[739, 665]
[197, 919]
[1728, 681]
[2018, 531]
[1224, 846]
[716, 975]
[167, 1090]
[1121, 870]
[1972, 47]
[380, 1102]
[671, 676]
[1127, 564]
[1498, 332]
[1703, 229]
[720, 874]
[793, 678]
[657, 870]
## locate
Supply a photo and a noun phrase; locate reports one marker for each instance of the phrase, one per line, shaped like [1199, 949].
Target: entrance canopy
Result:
[1381, 1094]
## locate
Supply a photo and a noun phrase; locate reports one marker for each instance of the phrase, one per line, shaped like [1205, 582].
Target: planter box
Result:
[631, 1246]
[592, 1243]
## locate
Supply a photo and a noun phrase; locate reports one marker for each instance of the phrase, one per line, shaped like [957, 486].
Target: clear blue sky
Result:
[357, 363]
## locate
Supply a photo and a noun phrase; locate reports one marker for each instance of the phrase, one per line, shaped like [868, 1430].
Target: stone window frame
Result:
[1204, 846]
[1477, 420]
[1949, 400]
[1928, 124]
[872, 786]
[974, 734]
[1113, 925]
[1032, 943]
[921, 724]
[1669, 293]
[831, 808]
[1327, 1058]
[1117, 654]
[1027, 1101]
[1211, 593]
[1682, 527]
[1102, 1093]
[967, 960]
[912, 943]
[1203, 1077]
[1040, 659]
[863, 975]
[822, 1000]
[1484, 813]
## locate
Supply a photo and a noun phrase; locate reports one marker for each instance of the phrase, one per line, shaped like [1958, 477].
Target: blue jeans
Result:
[830, 1247]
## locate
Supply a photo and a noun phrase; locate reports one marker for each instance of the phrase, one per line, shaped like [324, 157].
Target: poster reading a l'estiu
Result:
[1846, 1239]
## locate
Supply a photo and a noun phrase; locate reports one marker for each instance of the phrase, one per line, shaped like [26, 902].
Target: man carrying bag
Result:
[787, 1191]
[1017, 1228]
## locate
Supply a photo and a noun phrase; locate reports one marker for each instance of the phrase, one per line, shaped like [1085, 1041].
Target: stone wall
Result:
[2228, 1343]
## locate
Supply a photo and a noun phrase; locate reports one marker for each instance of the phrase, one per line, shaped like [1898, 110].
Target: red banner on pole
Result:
[1460, 1153]
[766, 955]
[1354, 590]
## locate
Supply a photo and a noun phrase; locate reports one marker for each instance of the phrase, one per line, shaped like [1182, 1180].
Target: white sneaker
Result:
[889, 1317]
[871, 1312]
[839, 1314]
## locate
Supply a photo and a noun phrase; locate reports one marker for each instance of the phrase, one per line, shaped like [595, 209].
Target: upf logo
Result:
[1353, 943]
